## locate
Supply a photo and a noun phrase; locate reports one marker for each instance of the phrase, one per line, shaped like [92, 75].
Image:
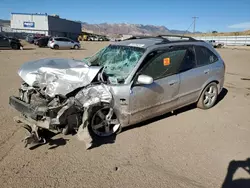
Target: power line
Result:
[195, 17]
[188, 28]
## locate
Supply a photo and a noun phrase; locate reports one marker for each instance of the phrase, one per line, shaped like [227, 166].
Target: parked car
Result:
[63, 43]
[32, 38]
[102, 38]
[10, 43]
[42, 42]
[92, 38]
[125, 83]
[215, 44]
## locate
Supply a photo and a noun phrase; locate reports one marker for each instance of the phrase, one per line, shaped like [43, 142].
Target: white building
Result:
[44, 24]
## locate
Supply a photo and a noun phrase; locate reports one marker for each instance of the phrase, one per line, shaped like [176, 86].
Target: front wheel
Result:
[208, 97]
[104, 121]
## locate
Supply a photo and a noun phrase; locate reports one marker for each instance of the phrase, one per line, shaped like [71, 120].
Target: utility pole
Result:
[194, 22]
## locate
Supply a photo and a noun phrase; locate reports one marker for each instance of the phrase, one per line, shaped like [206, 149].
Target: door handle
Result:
[172, 82]
[206, 71]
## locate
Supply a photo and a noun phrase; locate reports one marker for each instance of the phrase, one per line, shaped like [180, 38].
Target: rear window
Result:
[204, 56]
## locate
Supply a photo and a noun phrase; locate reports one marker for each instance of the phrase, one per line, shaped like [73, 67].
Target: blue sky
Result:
[220, 15]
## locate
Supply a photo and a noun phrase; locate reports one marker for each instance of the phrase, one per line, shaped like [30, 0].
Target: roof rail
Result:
[146, 37]
[178, 36]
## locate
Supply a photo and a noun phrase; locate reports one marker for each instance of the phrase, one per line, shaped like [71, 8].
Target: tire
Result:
[208, 96]
[56, 47]
[76, 47]
[15, 46]
[101, 132]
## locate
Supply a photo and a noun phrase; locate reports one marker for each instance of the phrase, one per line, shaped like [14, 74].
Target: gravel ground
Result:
[191, 148]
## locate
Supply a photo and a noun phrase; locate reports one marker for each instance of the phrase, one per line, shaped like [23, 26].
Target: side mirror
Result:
[144, 79]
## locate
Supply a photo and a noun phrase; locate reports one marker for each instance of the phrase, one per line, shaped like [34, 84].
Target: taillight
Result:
[52, 41]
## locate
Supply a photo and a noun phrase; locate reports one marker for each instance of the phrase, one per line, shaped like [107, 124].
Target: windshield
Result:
[118, 61]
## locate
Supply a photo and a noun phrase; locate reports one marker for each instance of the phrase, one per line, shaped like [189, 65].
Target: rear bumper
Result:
[27, 109]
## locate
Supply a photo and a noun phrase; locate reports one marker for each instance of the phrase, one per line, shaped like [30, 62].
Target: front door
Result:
[147, 101]
[4, 42]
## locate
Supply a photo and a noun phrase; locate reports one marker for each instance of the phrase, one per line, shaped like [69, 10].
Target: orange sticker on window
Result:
[166, 61]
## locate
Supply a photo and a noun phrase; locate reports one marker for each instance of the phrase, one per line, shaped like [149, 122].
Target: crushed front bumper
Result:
[27, 109]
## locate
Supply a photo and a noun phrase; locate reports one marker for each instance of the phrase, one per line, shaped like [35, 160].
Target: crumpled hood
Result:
[58, 76]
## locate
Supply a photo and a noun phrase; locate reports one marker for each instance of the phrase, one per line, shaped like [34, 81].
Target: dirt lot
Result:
[190, 149]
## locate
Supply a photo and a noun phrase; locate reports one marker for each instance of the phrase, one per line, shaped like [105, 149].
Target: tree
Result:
[214, 31]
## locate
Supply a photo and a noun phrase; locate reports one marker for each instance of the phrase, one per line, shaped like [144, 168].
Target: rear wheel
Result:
[208, 96]
[104, 121]
[15, 46]
[76, 47]
[56, 47]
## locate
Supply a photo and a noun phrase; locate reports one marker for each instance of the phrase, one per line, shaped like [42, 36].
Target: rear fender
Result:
[215, 79]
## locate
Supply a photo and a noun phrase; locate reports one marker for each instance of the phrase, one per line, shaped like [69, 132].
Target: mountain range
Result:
[120, 28]
[125, 28]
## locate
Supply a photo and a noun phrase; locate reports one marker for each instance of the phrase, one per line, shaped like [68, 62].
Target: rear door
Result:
[147, 101]
[195, 72]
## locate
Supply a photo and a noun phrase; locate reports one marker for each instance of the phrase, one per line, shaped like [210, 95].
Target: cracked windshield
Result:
[118, 61]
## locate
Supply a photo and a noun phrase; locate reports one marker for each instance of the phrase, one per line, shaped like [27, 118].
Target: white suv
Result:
[63, 43]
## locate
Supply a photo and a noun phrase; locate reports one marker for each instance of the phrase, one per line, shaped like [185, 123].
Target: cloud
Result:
[243, 25]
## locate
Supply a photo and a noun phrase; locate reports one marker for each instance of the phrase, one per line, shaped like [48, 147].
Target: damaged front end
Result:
[62, 96]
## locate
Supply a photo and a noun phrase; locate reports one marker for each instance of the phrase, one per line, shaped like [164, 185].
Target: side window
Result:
[204, 56]
[164, 63]
[65, 40]
[189, 60]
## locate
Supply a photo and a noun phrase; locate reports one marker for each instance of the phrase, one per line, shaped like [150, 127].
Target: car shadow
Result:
[230, 182]
[99, 141]
[52, 142]
[221, 96]
[10, 49]
[158, 118]
[29, 48]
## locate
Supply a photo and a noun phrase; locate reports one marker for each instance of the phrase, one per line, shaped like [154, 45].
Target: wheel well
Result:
[215, 81]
